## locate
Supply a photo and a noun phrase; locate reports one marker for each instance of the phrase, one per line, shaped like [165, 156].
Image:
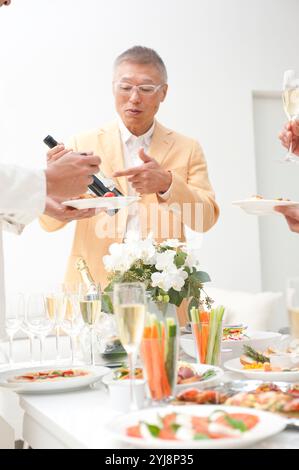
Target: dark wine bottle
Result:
[99, 186]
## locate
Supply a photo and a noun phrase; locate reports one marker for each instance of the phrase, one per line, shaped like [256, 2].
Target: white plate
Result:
[102, 202]
[269, 425]
[201, 384]
[262, 206]
[199, 368]
[234, 365]
[259, 340]
[60, 385]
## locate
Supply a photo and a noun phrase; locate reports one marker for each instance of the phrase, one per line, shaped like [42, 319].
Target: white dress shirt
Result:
[131, 146]
[22, 199]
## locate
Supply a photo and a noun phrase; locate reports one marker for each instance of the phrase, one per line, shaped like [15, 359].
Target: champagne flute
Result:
[129, 307]
[15, 310]
[73, 322]
[56, 305]
[290, 99]
[90, 308]
[38, 319]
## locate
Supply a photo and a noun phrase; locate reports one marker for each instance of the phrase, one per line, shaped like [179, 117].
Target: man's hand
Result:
[68, 173]
[292, 216]
[147, 178]
[290, 133]
[55, 209]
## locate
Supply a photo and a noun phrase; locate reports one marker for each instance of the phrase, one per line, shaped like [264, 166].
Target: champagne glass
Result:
[90, 308]
[129, 307]
[290, 99]
[15, 310]
[292, 301]
[56, 305]
[38, 319]
[73, 322]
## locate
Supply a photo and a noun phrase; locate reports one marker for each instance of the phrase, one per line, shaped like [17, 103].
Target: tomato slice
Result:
[134, 431]
[249, 420]
[109, 194]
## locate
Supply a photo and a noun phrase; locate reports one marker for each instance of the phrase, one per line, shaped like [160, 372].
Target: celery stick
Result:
[215, 331]
[171, 350]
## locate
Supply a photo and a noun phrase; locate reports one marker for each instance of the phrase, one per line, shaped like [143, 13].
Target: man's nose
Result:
[135, 97]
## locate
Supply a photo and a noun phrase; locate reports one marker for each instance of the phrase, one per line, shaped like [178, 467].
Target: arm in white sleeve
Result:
[22, 194]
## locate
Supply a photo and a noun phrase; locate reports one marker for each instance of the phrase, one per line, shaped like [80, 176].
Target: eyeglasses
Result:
[145, 90]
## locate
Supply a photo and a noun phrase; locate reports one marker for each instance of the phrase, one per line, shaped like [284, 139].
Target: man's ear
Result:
[164, 91]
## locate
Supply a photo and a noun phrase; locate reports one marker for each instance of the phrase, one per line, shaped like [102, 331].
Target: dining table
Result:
[78, 419]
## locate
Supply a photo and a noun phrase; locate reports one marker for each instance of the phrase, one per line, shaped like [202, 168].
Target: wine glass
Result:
[129, 307]
[38, 320]
[73, 322]
[14, 315]
[90, 307]
[292, 302]
[290, 99]
[57, 305]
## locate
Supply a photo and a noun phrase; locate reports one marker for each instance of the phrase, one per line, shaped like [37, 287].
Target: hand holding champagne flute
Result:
[291, 107]
[129, 307]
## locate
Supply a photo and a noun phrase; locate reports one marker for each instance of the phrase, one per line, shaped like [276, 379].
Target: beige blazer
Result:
[191, 201]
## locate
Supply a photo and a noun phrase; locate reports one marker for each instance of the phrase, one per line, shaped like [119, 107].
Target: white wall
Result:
[55, 73]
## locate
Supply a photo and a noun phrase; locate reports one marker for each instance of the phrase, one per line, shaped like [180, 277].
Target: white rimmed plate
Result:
[259, 340]
[51, 385]
[199, 368]
[234, 365]
[102, 202]
[269, 425]
[262, 206]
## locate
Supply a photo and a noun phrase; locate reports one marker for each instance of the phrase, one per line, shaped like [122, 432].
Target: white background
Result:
[56, 59]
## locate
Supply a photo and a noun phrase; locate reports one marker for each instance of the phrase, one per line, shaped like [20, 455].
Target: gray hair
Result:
[142, 55]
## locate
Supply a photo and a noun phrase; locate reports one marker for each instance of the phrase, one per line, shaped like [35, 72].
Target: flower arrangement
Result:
[169, 270]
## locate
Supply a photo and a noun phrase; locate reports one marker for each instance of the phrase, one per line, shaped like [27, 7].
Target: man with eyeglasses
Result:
[167, 169]
[25, 194]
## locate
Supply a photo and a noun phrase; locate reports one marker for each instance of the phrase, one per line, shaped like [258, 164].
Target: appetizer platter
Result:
[199, 375]
[40, 379]
[207, 426]
[277, 397]
[258, 205]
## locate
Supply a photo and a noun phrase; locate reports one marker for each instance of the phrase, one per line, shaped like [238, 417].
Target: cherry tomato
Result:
[109, 194]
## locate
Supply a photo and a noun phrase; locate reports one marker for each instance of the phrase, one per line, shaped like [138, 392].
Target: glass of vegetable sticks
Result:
[207, 334]
[159, 351]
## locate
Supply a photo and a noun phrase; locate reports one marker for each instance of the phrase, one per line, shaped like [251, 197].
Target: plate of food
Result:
[234, 341]
[197, 375]
[42, 379]
[258, 205]
[277, 397]
[202, 427]
[109, 201]
[257, 365]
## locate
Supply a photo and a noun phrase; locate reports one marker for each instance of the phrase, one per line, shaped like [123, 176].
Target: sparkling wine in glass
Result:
[290, 99]
[56, 305]
[129, 307]
[90, 308]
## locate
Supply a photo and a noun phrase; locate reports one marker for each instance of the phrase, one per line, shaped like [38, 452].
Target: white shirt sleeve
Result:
[22, 195]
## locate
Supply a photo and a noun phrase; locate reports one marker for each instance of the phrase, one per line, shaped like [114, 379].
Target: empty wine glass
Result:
[90, 308]
[290, 99]
[73, 322]
[38, 320]
[14, 315]
[129, 307]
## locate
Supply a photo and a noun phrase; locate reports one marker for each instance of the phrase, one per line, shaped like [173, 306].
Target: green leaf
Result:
[201, 276]
[175, 427]
[236, 423]
[200, 436]
[153, 429]
[179, 259]
[107, 305]
[207, 374]
[175, 297]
